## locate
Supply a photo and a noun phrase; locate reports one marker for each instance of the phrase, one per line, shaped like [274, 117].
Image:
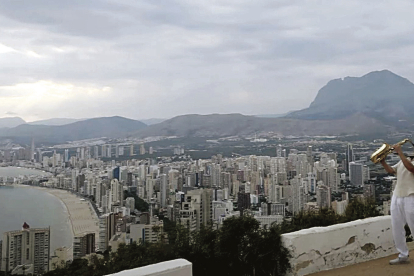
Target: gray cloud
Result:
[147, 58]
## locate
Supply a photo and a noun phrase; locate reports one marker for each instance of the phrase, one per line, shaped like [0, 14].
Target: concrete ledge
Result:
[324, 248]
[179, 267]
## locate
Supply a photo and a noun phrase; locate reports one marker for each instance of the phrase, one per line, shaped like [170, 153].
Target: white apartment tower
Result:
[323, 196]
[29, 247]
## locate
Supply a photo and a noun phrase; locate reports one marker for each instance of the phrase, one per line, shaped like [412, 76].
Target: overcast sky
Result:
[162, 58]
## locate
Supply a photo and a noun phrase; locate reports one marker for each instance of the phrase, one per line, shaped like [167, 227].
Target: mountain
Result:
[271, 115]
[91, 128]
[55, 121]
[223, 125]
[381, 95]
[11, 122]
[152, 121]
[376, 103]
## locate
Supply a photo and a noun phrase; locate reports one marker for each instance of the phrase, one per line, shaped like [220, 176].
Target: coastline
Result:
[82, 217]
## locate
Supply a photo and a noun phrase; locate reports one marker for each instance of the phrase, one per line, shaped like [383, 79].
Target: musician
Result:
[402, 203]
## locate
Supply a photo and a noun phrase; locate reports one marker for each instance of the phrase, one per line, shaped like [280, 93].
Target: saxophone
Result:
[381, 153]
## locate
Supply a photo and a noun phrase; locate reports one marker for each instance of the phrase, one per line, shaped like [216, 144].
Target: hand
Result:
[397, 149]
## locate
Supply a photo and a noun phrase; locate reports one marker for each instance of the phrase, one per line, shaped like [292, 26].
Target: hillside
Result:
[376, 103]
[55, 121]
[92, 128]
[11, 122]
[222, 125]
[381, 95]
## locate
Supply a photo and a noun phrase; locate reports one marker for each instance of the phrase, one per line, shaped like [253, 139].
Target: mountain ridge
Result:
[113, 127]
[378, 102]
[373, 94]
[9, 122]
[224, 125]
[56, 121]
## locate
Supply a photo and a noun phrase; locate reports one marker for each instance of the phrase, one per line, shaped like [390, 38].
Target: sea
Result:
[37, 208]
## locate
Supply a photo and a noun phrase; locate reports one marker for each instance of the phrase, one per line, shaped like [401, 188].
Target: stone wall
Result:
[179, 267]
[324, 248]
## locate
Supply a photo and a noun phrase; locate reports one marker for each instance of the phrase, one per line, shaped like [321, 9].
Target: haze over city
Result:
[146, 59]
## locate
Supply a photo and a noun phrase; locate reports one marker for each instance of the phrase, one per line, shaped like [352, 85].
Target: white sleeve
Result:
[396, 166]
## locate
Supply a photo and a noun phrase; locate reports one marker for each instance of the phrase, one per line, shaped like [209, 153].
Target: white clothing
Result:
[402, 212]
[405, 180]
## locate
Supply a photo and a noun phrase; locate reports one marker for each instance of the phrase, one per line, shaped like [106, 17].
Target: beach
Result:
[81, 214]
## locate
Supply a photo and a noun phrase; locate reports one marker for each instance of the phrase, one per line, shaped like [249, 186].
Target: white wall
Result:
[179, 267]
[323, 248]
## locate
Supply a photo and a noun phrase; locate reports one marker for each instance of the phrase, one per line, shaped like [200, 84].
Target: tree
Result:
[360, 209]
[140, 204]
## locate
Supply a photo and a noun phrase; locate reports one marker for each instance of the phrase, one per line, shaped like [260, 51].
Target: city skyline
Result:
[110, 188]
[125, 58]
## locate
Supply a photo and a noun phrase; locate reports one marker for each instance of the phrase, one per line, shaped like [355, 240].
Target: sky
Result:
[162, 58]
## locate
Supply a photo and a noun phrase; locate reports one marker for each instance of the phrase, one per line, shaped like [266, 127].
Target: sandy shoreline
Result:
[81, 215]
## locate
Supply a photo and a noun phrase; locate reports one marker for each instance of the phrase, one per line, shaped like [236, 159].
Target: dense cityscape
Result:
[127, 198]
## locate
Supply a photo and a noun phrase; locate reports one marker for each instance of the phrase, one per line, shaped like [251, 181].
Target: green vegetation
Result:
[140, 204]
[356, 209]
[239, 247]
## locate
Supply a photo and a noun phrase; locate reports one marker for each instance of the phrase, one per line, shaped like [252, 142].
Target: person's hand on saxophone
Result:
[407, 163]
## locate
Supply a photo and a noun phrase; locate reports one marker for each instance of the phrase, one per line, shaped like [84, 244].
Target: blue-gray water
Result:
[16, 171]
[36, 207]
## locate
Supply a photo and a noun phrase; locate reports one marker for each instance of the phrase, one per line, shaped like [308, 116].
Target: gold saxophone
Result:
[381, 153]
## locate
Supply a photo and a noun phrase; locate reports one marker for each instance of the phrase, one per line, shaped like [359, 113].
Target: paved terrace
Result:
[378, 267]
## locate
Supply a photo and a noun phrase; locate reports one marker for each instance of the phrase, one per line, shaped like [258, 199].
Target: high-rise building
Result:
[142, 149]
[82, 153]
[243, 201]
[323, 196]
[117, 151]
[298, 198]
[365, 174]
[117, 191]
[83, 245]
[279, 151]
[131, 150]
[116, 173]
[107, 228]
[163, 190]
[151, 231]
[197, 208]
[96, 152]
[369, 190]
[29, 247]
[104, 150]
[349, 157]
[108, 151]
[66, 155]
[327, 172]
[130, 203]
[272, 209]
[32, 151]
[356, 174]
[309, 155]
[130, 178]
